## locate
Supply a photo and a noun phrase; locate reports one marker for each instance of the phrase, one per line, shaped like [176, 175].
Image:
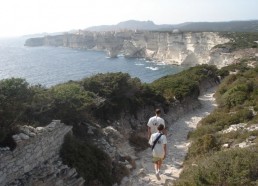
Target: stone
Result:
[240, 126]
[40, 129]
[31, 134]
[226, 145]
[57, 122]
[71, 172]
[52, 125]
[129, 166]
[16, 137]
[253, 127]
[250, 138]
[24, 136]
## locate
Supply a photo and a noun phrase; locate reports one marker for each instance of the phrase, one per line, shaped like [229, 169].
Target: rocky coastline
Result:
[178, 48]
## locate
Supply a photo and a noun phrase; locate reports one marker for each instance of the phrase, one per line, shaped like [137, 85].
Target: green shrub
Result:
[203, 145]
[121, 93]
[70, 101]
[15, 96]
[223, 72]
[213, 118]
[227, 119]
[235, 98]
[237, 167]
[184, 84]
[92, 164]
[240, 40]
[203, 130]
[112, 85]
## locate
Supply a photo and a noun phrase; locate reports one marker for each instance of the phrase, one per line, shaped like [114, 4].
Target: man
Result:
[154, 122]
[158, 141]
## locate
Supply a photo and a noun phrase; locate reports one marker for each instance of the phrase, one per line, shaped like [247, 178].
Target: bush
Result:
[203, 145]
[240, 40]
[223, 72]
[234, 98]
[118, 90]
[121, 93]
[220, 119]
[70, 101]
[91, 163]
[15, 96]
[203, 130]
[184, 84]
[233, 167]
[112, 85]
[238, 89]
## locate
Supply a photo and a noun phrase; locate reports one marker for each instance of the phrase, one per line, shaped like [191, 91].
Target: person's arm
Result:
[150, 140]
[165, 150]
[149, 132]
[149, 124]
[165, 131]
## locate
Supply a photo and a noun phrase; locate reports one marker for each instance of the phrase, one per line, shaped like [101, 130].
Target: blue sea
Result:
[49, 66]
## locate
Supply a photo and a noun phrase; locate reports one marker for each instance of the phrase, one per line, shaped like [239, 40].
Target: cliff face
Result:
[182, 48]
[188, 48]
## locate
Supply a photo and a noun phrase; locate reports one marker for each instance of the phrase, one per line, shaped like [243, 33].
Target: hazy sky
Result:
[19, 17]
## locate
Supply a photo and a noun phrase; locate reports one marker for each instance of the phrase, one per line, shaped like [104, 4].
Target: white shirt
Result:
[158, 150]
[154, 122]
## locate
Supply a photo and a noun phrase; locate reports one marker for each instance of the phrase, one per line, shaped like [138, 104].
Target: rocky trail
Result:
[177, 147]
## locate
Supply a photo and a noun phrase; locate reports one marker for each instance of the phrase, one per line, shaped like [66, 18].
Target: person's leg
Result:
[155, 162]
[159, 165]
[156, 166]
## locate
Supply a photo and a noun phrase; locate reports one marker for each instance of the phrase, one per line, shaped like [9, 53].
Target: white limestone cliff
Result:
[179, 48]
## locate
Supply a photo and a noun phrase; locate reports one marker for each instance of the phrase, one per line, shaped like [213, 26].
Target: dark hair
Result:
[160, 127]
[157, 111]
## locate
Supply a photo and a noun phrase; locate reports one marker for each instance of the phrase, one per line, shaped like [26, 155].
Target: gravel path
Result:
[177, 147]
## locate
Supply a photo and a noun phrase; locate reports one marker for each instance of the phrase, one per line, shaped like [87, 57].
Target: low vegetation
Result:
[92, 163]
[186, 83]
[208, 162]
[239, 40]
[232, 167]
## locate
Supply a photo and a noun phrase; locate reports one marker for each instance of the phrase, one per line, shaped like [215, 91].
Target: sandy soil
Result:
[144, 174]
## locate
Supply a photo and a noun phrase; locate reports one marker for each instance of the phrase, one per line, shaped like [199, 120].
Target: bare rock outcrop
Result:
[35, 160]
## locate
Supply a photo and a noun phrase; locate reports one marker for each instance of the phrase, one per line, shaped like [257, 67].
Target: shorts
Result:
[155, 159]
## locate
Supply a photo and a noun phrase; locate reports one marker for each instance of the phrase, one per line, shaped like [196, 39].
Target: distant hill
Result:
[131, 25]
[231, 26]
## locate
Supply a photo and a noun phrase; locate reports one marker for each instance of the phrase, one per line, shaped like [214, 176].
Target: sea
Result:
[50, 66]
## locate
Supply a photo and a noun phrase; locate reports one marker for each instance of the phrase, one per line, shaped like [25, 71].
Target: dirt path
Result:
[144, 174]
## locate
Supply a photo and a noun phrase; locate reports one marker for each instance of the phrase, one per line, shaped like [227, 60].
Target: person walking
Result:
[158, 142]
[154, 122]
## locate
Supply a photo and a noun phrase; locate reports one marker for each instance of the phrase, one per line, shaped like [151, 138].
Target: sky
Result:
[22, 17]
